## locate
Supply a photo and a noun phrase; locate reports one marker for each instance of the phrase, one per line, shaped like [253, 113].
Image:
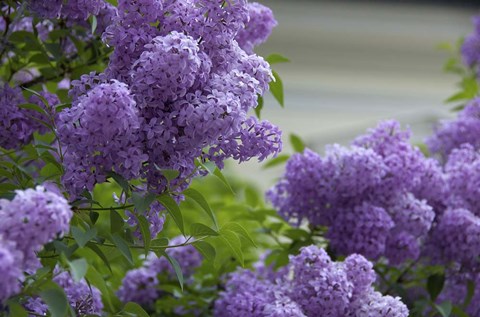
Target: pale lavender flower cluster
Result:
[141, 285]
[191, 86]
[33, 218]
[450, 134]
[371, 196]
[71, 10]
[311, 285]
[258, 28]
[471, 46]
[83, 298]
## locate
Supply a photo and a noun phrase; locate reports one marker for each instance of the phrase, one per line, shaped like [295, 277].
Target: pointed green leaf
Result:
[435, 284]
[116, 222]
[200, 200]
[142, 203]
[276, 161]
[56, 300]
[16, 310]
[122, 247]
[96, 279]
[135, 309]
[445, 308]
[297, 143]
[82, 237]
[160, 242]
[239, 230]
[176, 268]
[233, 242]
[120, 180]
[201, 230]
[171, 205]
[94, 24]
[33, 107]
[78, 269]
[99, 252]
[206, 249]
[170, 174]
[276, 88]
[276, 58]
[145, 231]
[259, 107]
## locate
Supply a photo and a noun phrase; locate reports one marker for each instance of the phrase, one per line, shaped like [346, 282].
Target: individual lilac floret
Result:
[258, 28]
[451, 134]
[33, 218]
[363, 229]
[11, 272]
[139, 286]
[374, 304]
[83, 298]
[456, 238]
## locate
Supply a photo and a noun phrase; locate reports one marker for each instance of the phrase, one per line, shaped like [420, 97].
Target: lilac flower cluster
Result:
[190, 86]
[141, 285]
[33, 218]
[451, 134]
[371, 196]
[83, 298]
[471, 46]
[258, 28]
[311, 285]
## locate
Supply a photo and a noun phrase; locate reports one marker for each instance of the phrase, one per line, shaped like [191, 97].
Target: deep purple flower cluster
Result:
[451, 134]
[471, 46]
[141, 285]
[191, 87]
[371, 196]
[73, 11]
[83, 298]
[311, 285]
[33, 218]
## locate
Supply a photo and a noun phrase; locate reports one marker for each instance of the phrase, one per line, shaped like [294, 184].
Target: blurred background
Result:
[354, 63]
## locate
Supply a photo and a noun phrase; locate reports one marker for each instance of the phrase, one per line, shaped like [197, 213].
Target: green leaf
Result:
[34, 107]
[445, 308]
[94, 23]
[213, 170]
[276, 88]
[56, 300]
[297, 143]
[458, 312]
[176, 268]
[99, 252]
[170, 174]
[435, 284]
[45, 101]
[259, 107]
[160, 242]
[78, 268]
[142, 203]
[40, 58]
[96, 279]
[120, 180]
[276, 58]
[171, 205]
[238, 229]
[276, 161]
[82, 237]
[201, 230]
[206, 249]
[122, 247]
[16, 310]
[470, 293]
[233, 242]
[200, 200]
[135, 309]
[145, 230]
[116, 222]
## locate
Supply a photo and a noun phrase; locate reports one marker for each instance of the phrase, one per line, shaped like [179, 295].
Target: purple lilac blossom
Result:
[155, 216]
[33, 218]
[470, 49]
[311, 285]
[451, 134]
[15, 127]
[366, 195]
[139, 286]
[258, 28]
